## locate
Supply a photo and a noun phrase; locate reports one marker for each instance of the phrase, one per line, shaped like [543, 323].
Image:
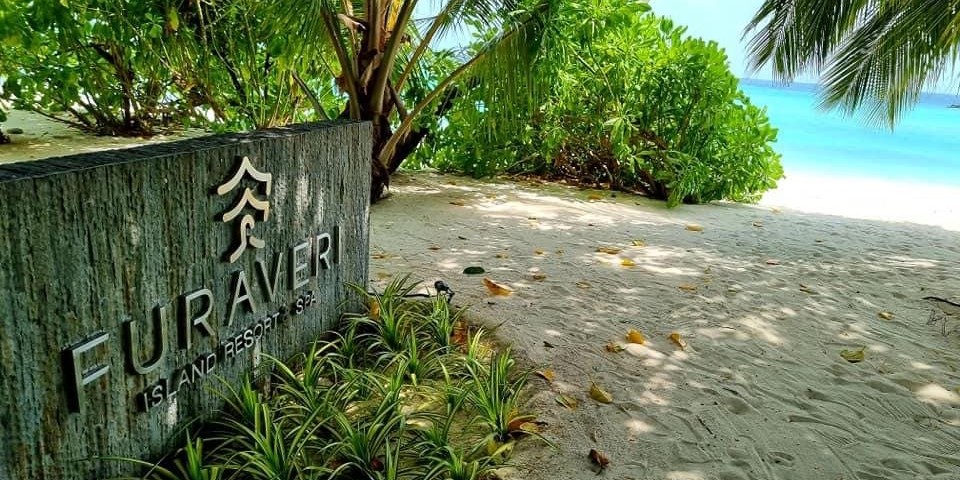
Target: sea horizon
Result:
[920, 149]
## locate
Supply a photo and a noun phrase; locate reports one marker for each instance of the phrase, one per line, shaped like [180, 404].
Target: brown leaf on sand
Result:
[374, 308]
[639, 243]
[693, 227]
[758, 224]
[608, 250]
[584, 285]
[688, 287]
[495, 288]
[773, 262]
[600, 394]
[599, 459]
[538, 252]
[885, 315]
[678, 340]
[461, 334]
[546, 374]
[538, 277]
[626, 262]
[547, 344]
[379, 256]
[614, 348]
[567, 401]
[434, 247]
[502, 255]
[806, 289]
[516, 424]
[634, 336]
[459, 203]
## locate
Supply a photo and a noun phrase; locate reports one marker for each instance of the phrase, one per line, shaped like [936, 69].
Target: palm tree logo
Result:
[244, 225]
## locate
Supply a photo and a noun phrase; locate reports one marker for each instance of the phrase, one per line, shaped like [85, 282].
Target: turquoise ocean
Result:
[923, 148]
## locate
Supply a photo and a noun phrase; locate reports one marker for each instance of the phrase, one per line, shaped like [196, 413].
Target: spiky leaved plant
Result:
[275, 447]
[190, 464]
[386, 324]
[453, 464]
[495, 395]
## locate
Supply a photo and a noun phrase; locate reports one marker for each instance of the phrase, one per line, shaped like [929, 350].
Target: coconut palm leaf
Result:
[872, 56]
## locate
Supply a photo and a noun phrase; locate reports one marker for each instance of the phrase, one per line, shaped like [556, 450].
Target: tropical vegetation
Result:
[133, 67]
[405, 390]
[871, 56]
[627, 100]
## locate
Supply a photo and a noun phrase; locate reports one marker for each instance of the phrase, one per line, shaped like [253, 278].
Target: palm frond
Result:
[872, 56]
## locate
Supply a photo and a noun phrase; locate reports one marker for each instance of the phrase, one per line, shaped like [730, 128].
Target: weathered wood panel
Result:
[92, 241]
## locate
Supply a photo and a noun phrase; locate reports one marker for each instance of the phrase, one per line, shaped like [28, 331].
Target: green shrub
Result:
[387, 415]
[634, 103]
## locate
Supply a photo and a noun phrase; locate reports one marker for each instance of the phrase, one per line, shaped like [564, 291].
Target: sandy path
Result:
[761, 391]
[44, 138]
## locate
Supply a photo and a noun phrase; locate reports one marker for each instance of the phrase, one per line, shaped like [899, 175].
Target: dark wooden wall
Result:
[90, 241]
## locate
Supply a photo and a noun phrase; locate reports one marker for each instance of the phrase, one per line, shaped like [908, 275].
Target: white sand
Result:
[761, 391]
[44, 138]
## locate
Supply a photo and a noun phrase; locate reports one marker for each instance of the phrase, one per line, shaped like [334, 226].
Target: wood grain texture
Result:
[91, 241]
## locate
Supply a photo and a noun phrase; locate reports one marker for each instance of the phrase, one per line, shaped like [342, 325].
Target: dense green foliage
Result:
[632, 102]
[387, 399]
[123, 67]
[130, 67]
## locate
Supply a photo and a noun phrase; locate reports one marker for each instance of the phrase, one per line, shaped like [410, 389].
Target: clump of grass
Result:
[404, 391]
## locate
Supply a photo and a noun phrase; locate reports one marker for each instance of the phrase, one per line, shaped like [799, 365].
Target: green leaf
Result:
[853, 356]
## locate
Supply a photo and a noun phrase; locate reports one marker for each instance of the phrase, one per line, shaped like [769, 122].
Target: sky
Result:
[720, 20]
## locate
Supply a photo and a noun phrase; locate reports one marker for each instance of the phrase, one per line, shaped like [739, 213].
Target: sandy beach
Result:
[765, 299]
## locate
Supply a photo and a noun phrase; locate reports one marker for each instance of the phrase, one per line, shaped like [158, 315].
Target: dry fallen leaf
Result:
[687, 287]
[773, 262]
[567, 401]
[599, 459]
[853, 356]
[559, 252]
[626, 262]
[374, 307]
[546, 374]
[538, 252]
[693, 227]
[502, 255]
[459, 203]
[639, 243]
[529, 427]
[516, 424]
[614, 348]
[600, 394]
[885, 315]
[584, 285]
[608, 250]
[758, 224]
[678, 340]
[496, 288]
[538, 277]
[378, 256]
[548, 344]
[594, 197]
[434, 247]
[805, 289]
[634, 336]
